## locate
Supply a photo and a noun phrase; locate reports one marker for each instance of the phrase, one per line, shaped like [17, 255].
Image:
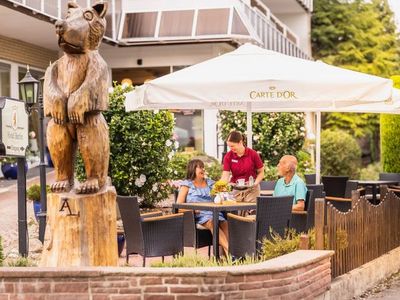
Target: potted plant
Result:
[220, 191]
[9, 167]
[33, 194]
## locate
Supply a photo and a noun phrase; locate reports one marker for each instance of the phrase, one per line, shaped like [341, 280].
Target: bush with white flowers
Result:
[274, 134]
[140, 145]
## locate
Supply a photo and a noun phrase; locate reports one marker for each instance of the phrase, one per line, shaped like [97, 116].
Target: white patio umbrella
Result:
[253, 79]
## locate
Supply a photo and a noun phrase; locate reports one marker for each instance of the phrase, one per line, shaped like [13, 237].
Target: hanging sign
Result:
[14, 127]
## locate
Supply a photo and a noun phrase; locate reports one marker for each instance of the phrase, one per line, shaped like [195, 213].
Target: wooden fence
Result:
[363, 233]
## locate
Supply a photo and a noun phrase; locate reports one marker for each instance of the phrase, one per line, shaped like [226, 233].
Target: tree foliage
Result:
[340, 154]
[390, 138]
[357, 35]
[274, 134]
[140, 147]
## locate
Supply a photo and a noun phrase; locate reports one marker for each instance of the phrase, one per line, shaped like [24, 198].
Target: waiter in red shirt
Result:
[244, 167]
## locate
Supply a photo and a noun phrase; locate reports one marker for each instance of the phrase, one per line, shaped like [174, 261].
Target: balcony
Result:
[145, 23]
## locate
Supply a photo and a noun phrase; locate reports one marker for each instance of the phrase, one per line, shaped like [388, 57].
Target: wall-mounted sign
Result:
[14, 127]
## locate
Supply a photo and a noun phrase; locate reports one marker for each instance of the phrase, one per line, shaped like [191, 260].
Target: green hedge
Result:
[390, 143]
[340, 154]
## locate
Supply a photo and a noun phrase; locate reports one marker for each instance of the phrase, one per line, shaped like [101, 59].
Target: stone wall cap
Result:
[283, 263]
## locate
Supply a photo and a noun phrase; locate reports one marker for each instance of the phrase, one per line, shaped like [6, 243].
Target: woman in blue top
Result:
[197, 188]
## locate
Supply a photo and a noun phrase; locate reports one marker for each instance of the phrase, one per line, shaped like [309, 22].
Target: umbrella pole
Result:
[249, 127]
[318, 149]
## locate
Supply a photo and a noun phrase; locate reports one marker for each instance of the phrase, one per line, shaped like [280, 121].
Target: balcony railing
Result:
[307, 4]
[264, 28]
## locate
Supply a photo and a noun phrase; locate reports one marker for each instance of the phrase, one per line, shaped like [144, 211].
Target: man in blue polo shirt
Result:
[290, 184]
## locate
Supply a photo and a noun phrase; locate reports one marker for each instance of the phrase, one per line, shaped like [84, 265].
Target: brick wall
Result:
[24, 53]
[299, 275]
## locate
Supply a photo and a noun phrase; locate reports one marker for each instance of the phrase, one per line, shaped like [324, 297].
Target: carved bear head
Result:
[82, 29]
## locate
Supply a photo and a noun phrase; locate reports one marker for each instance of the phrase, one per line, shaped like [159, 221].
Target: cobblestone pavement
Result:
[388, 289]
[9, 219]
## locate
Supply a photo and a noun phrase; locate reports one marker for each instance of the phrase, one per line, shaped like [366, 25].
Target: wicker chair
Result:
[344, 204]
[299, 218]
[267, 185]
[310, 178]
[194, 235]
[390, 176]
[318, 192]
[335, 186]
[148, 235]
[247, 233]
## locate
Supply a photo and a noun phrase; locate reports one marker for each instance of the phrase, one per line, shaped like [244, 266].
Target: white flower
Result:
[176, 144]
[156, 111]
[275, 152]
[125, 85]
[138, 183]
[144, 144]
[175, 172]
[170, 155]
[154, 188]
[256, 137]
[302, 128]
[110, 90]
[168, 143]
[142, 178]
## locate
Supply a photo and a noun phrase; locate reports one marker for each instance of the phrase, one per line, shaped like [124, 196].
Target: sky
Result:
[395, 4]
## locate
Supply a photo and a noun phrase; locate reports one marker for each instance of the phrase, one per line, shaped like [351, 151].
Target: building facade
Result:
[148, 39]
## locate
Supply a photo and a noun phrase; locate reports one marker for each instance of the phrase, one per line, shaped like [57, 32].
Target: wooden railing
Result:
[362, 234]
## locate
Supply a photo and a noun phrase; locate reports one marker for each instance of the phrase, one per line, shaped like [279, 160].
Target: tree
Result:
[390, 138]
[361, 36]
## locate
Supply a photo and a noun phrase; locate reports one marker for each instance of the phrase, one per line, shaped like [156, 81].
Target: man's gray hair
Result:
[292, 161]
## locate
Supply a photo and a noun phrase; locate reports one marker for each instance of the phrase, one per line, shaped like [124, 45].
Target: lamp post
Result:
[31, 91]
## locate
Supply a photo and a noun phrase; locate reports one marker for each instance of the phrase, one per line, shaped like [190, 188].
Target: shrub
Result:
[180, 160]
[21, 262]
[278, 245]
[194, 260]
[390, 143]
[274, 134]
[33, 192]
[371, 172]
[340, 154]
[140, 147]
[1, 252]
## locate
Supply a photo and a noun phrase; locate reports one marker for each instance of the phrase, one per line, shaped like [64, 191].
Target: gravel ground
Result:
[388, 289]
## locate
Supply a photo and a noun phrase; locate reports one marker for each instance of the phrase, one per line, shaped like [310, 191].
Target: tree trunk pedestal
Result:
[81, 229]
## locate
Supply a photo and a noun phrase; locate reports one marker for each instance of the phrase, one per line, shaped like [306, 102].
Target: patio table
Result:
[374, 184]
[226, 206]
[266, 192]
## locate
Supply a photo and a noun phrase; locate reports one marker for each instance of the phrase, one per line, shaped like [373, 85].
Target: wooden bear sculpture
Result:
[75, 93]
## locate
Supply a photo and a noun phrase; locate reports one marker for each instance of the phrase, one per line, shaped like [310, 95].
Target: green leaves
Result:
[138, 149]
[340, 154]
[274, 134]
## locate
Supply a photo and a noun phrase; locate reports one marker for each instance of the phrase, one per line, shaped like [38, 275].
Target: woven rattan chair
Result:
[150, 236]
[247, 233]
[267, 185]
[344, 203]
[194, 235]
[335, 186]
[318, 192]
[299, 218]
[310, 178]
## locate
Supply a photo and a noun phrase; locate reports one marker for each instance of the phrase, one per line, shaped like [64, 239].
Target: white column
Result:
[14, 81]
[249, 126]
[318, 148]
[210, 131]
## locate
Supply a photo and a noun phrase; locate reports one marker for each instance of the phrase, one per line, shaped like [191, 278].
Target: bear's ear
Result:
[101, 8]
[72, 4]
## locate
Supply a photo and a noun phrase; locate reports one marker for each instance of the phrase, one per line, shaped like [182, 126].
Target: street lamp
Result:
[32, 92]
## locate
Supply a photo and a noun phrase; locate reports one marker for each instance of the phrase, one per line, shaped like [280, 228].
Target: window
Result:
[5, 80]
[212, 21]
[188, 129]
[176, 23]
[139, 25]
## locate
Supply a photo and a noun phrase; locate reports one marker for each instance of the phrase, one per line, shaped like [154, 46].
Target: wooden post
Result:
[319, 223]
[81, 230]
[355, 196]
[304, 242]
